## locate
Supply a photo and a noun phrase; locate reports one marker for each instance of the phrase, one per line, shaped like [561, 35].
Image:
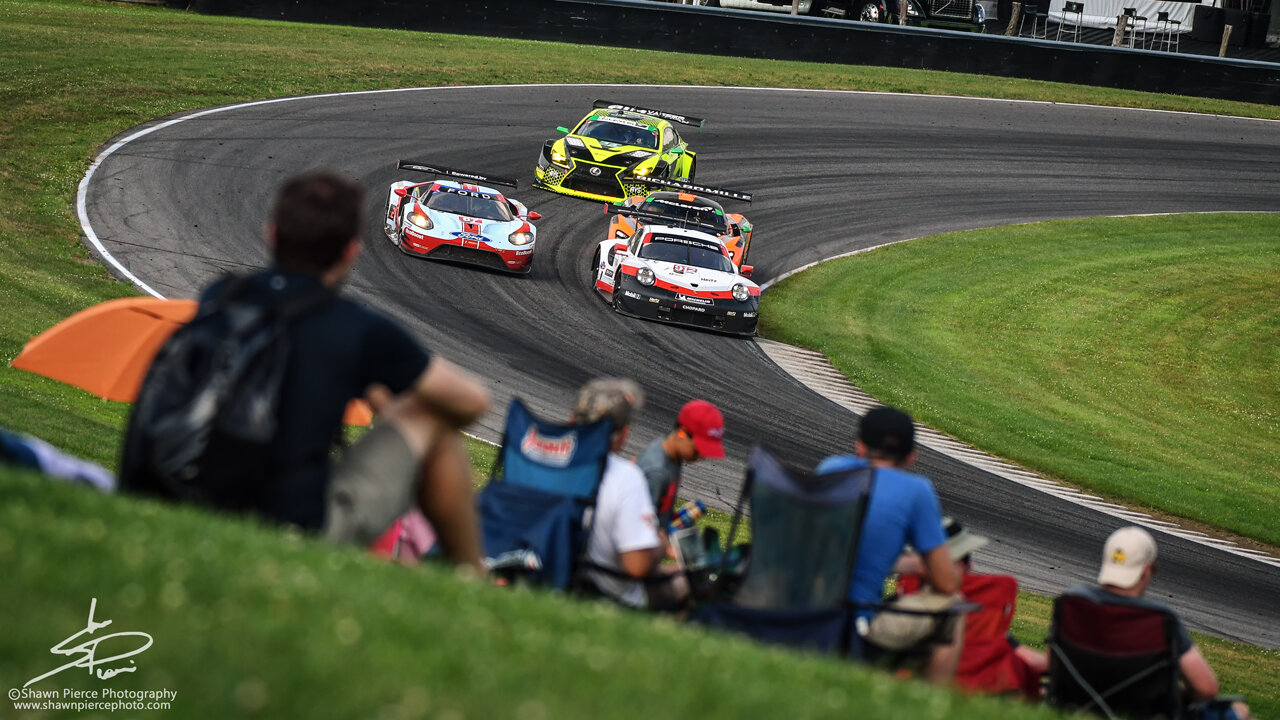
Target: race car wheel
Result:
[595, 269]
[871, 12]
[693, 167]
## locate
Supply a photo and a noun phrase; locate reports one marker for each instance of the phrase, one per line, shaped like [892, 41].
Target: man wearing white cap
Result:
[1128, 562]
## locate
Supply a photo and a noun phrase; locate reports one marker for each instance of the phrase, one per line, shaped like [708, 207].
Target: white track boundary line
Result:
[813, 365]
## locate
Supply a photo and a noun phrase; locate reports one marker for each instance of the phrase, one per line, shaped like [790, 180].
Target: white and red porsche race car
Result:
[463, 221]
[676, 275]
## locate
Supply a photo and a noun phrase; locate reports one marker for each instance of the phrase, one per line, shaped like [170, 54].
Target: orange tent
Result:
[106, 349]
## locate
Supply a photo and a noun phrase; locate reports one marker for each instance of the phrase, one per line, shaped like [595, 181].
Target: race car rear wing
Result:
[673, 117]
[659, 218]
[692, 188]
[460, 174]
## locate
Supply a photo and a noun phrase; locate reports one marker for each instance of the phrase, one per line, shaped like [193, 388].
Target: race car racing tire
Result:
[693, 168]
[595, 268]
[871, 12]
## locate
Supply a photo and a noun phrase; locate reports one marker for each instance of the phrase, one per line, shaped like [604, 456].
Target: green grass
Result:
[1136, 357]
[249, 622]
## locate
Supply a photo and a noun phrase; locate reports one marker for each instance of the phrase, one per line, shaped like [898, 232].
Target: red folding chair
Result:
[987, 662]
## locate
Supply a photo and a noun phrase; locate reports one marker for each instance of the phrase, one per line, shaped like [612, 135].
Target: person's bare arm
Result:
[639, 563]
[1036, 660]
[909, 563]
[454, 394]
[1201, 681]
[940, 571]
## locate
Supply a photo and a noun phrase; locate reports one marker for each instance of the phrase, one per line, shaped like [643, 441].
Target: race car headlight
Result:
[740, 292]
[645, 276]
[520, 237]
[421, 220]
[642, 171]
[642, 154]
[559, 158]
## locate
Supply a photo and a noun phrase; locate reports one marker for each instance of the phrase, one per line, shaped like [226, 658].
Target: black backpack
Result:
[205, 418]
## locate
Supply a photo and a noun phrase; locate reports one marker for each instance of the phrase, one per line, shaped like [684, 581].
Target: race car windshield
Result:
[687, 214]
[618, 134]
[682, 253]
[470, 205]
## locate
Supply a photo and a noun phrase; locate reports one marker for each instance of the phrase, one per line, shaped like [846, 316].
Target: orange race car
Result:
[688, 205]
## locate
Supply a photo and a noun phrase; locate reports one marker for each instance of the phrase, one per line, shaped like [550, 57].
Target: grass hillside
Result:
[1133, 356]
[249, 622]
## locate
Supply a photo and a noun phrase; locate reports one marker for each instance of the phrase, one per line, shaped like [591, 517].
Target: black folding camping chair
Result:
[1115, 660]
[804, 538]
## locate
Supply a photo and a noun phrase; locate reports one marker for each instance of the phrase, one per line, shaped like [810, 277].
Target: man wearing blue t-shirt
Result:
[903, 510]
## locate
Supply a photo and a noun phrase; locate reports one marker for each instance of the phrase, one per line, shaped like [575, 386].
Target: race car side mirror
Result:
[535, 216]
[400, 191]
[562, 129]
[677, 150]
[746, 270]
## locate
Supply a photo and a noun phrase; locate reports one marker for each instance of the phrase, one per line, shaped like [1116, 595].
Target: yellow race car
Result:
[615, 144]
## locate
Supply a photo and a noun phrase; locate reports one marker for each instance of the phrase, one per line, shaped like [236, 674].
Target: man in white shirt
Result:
[624, 534]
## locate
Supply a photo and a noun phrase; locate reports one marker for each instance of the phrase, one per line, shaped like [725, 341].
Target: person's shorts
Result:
[374, 482]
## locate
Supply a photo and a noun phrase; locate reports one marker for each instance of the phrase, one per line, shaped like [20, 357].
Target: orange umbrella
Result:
[106, 349]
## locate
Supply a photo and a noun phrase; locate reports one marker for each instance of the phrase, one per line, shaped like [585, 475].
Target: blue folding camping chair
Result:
[532, 510]
[805, 530]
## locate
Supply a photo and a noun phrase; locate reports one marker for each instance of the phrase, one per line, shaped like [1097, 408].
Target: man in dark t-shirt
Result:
[340, 350]
[1128, 562]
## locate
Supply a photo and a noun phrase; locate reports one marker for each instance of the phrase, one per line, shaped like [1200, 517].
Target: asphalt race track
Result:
[831, 172]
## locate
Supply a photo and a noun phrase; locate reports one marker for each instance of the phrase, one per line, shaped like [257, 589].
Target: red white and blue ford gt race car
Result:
[464, 220]
[677, 275]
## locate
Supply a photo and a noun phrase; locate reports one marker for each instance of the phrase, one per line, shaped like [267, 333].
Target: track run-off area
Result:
[172, 204]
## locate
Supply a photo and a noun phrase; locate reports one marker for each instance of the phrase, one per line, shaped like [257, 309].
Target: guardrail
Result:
[717, 31]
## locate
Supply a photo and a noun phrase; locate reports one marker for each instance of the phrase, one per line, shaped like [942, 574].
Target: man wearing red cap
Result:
[699, 433]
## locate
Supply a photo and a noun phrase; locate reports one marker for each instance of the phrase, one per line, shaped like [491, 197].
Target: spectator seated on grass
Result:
[318, 350]
[623, 545]
[903, 510]
[1114, 652]
[699, 433]
[991, 660]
